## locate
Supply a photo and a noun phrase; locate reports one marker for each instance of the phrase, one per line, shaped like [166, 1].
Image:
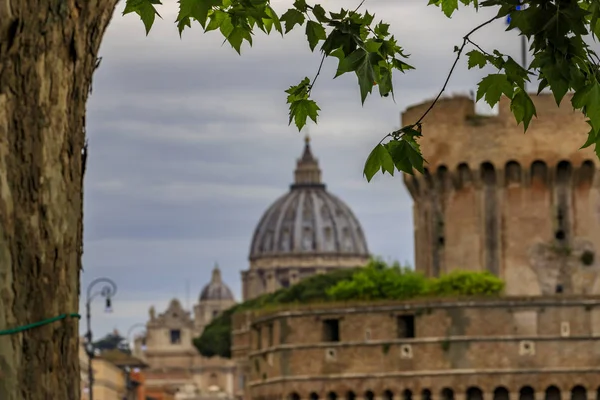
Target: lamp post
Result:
[107, 291]
[130, 331]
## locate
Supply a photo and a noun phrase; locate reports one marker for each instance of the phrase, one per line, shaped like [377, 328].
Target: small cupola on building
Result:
[216, 289]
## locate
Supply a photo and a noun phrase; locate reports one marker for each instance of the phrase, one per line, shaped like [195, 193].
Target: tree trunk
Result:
[48, 53]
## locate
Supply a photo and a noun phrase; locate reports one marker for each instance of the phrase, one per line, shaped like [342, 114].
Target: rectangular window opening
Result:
[175, 336]
[406, 326]
[331, 330]
[258, 338]
[271, 335]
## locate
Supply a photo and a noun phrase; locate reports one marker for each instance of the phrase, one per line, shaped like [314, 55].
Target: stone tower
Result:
[524, 206]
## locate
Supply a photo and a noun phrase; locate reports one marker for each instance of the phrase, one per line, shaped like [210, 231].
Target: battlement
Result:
[511, 174]
[523, 206]
[454, 134]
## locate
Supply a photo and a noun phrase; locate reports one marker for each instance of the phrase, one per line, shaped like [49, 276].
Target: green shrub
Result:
[375, 282]
[465, 283]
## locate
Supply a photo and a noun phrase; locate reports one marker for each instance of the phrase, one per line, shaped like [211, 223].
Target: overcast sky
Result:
[189, 144]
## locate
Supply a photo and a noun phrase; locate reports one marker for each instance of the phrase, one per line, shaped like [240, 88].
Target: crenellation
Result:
[511, 174]
[586, 174]
[493, 198]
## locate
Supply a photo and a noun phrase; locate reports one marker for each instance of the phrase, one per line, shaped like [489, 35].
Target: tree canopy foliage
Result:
[375, 281]
[562, 61]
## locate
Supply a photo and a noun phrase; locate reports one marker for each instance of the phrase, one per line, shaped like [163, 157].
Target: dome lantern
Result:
[307, 171]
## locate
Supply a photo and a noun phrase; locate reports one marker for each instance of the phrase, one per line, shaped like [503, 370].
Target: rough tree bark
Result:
[48, 51]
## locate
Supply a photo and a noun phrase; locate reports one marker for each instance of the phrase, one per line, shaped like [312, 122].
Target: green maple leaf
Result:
[237, 36]
[274, 19]
[588, 99]
[145, 9]
[384, 82]
[379, 159]
[319, 13]
[291, 18]
[554, 73]
[448, 6]
[196, 9]
[314, 33]
[399, 150]
[301, 110]
[300, 5]
[182, 24]
[415, 157]
[351, 62]
[592, 137]
[492, 87]
[359, 62]
[217, 18]
[476, 58]
[523, 108]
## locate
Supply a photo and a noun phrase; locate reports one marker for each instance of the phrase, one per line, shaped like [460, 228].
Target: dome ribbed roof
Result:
[216, 289]
[308, 220]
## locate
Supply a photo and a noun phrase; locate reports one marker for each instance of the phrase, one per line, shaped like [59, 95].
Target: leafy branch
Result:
[380, 156]
[556, 29]
[458, 54]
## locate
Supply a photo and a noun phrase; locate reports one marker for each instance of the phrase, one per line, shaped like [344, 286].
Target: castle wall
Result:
[511, 343]
[522, 206]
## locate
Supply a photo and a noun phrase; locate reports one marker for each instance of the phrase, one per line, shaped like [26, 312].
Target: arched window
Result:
[406, 395]
[331, 396]
[442, 177]
[501, 393]
[313, 396]
[464, 176]
[578, 393]
[388, 395]
[425, 394]
[552, 393]
[586, 172]
[539, 173]
[474, 393]
[447, 394]
[294, 396]
[512, 173]
[369, 395]
[350, 395]
[526, 393]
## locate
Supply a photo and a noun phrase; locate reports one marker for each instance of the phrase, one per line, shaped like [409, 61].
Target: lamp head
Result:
[108, 307]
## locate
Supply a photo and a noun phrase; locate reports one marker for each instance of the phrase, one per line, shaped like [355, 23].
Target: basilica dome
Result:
[216, 289]
[308, 220]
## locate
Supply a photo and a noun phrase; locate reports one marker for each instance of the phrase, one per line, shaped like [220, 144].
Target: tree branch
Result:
[458, 54]
[466, 39]
[359, 6]
[318, 73]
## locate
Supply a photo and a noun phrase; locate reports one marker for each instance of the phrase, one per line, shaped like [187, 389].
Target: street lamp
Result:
[130, 331]
[108, 291]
